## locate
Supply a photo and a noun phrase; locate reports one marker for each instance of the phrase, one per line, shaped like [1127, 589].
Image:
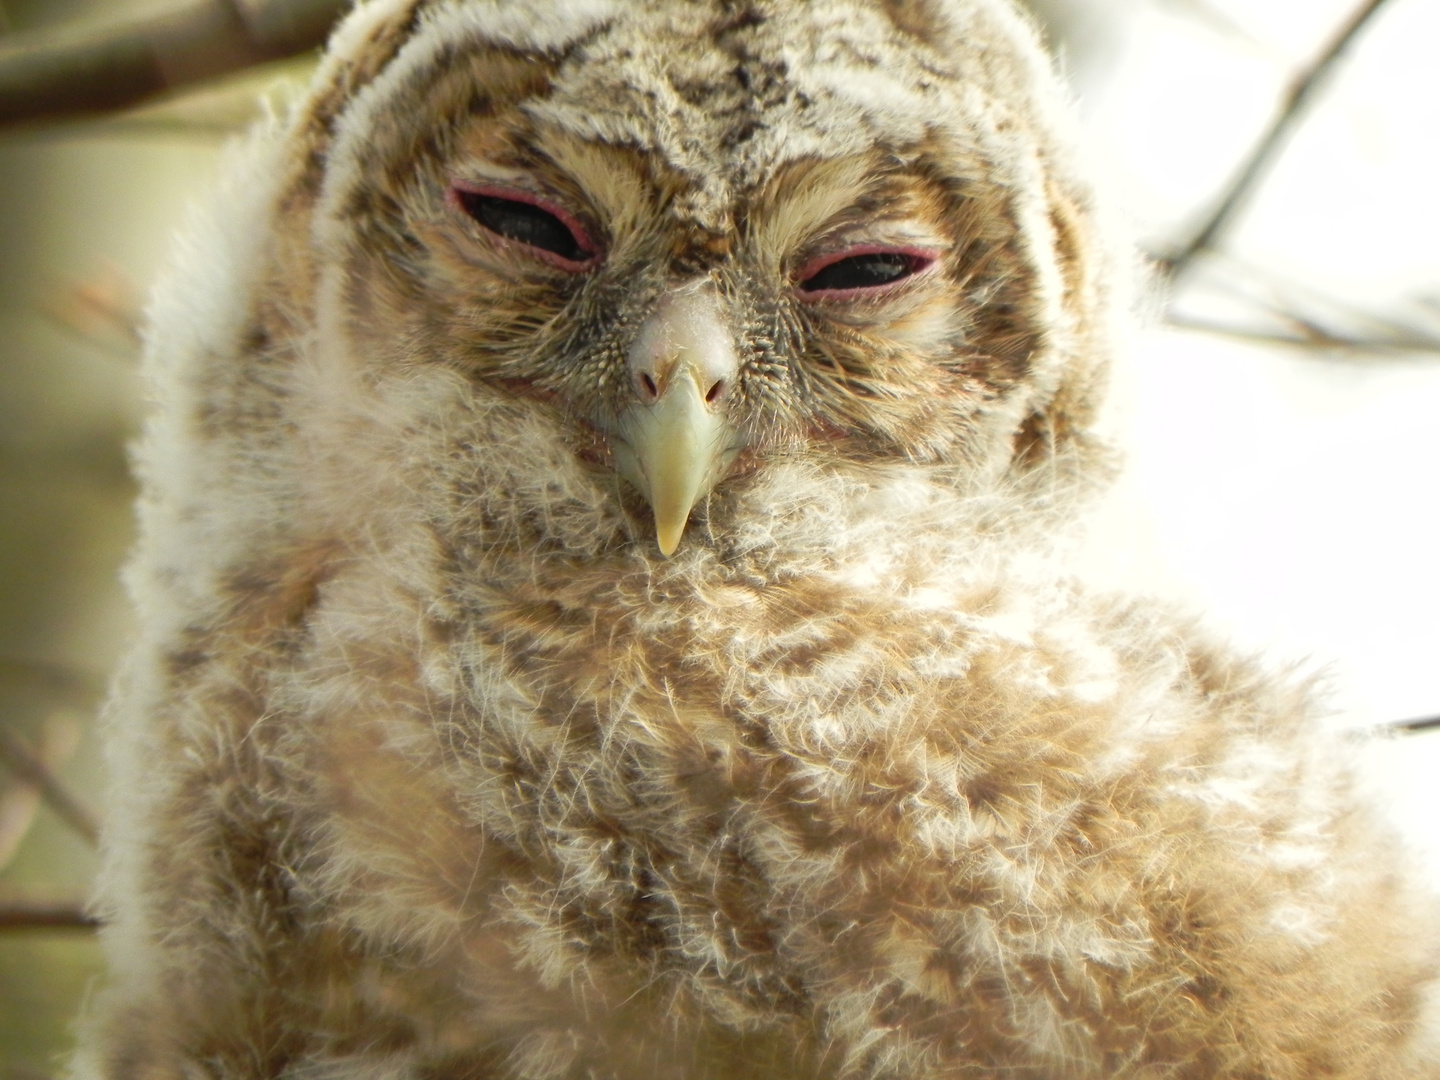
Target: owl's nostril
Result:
[716, 392]
[645, 385]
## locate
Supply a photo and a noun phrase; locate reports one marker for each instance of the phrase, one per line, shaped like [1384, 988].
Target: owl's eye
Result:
[549, 231]
[858, 270]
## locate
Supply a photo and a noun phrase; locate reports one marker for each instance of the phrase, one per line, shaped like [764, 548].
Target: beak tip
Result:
[668, 539]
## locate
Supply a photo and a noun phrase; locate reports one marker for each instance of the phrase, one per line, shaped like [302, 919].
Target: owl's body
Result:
[433, 764]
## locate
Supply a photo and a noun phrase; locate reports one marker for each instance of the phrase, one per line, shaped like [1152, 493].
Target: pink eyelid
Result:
[923, 259]
[499, 191]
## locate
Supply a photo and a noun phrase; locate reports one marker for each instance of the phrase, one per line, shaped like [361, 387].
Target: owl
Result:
[605, 608]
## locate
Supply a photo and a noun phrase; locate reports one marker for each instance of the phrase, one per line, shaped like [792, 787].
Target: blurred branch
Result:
[1227, 295]
[18, 803]
[1415, 727]
[1211, 17]
[144, 127]
[21, 916]
[83, 71]
[80, 687]
[28, 766]
[1316, 339]
[1292, 106]
[105, 308]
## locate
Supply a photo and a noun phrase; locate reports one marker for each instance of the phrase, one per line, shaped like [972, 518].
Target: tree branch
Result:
[22, 916]
[77, 72]
[1305, 337]
[1414, 727]
[80, 687]
[1300, 92]
[19, 800]
[26, 765]
[1226, 295]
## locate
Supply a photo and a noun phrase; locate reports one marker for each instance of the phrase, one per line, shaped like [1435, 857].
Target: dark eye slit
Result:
[524, 223]
[862, 272]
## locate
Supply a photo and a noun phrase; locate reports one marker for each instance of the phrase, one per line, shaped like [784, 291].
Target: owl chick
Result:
[600, 612]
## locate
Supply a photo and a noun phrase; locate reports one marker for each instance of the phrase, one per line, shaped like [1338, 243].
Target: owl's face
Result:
[706, 240]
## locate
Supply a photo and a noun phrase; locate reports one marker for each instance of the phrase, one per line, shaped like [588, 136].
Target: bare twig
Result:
[1313, 340]
[1414, 727]
[22, 916]
[70, 73]
[25, 764]
[1226, 295]
[1294, 329]
[1292, 106]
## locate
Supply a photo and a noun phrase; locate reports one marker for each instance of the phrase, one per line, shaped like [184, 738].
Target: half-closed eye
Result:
[860, 270]
[551, 233]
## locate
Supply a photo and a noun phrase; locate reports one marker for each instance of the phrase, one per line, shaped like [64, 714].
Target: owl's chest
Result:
[692, 718]
[680, 661]
[593, 770]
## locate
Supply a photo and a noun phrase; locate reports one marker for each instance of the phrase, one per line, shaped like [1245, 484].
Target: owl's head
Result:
[706, 236]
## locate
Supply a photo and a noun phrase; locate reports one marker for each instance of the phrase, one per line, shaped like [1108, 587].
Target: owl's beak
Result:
[674, 442]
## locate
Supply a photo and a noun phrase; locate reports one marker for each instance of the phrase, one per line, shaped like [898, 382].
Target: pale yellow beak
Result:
[674, 442]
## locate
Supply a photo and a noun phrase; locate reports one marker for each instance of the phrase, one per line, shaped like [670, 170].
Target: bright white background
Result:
[1290, 493]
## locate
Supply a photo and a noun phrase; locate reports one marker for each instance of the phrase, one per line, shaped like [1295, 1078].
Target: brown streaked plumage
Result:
[604, 611]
